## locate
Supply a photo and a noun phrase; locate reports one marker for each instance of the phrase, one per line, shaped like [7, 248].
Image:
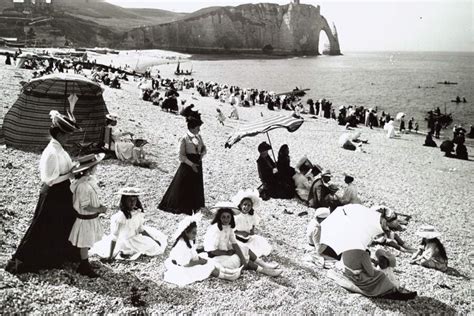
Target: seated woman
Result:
[461, 151]
[303, 179]
[129, 238]
[221, 244]
[431, 253]
[125, 149]
[285, 171]
[358, 269]
[246, 222]
[183, 265]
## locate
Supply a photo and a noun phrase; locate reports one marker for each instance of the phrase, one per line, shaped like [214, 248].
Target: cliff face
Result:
[291, 29]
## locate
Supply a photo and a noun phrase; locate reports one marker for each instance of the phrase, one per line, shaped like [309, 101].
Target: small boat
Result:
[16, 44]
[179, 72]
[296, 92]
[446, 82]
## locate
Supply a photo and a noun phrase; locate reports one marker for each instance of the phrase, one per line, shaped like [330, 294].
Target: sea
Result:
[391, 81]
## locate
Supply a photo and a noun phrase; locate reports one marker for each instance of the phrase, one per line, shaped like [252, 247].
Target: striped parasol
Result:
[62, 84]
[264, 125]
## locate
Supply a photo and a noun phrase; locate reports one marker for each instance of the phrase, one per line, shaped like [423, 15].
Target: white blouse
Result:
[245, 222]
[216, 239]
[182, 254]
[123, 228]
[55, 164]
[85, 192]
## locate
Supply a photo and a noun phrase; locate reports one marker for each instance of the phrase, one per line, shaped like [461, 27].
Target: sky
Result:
[371, 25]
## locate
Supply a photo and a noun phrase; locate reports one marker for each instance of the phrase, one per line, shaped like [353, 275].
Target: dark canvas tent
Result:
[27, 122]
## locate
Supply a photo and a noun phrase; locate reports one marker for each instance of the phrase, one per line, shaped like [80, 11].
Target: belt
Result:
[86, 217]
[241, 239]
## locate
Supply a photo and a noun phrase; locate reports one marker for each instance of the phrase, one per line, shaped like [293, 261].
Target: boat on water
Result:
[446, 82]
[16, 44]
[180, 72]
[295, 92]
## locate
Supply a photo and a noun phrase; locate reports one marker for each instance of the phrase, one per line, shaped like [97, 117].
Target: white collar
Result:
[191, 134]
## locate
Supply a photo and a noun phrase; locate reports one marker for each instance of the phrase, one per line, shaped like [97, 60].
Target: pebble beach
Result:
[400, 173]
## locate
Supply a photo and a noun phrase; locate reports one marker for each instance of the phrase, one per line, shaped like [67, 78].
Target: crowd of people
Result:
[70, 202]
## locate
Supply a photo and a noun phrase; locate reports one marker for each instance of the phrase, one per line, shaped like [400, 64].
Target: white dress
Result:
[85, 232]
[176, 270]
[128, 237]
[258, 244]
[216, 239]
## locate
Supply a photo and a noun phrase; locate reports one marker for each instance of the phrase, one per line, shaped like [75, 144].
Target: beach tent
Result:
[27, 122]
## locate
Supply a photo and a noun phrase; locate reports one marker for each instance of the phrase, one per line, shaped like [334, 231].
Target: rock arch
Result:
[334, 48]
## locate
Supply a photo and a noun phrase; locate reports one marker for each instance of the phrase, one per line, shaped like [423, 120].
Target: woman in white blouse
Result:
[45, 243]
[186, 191]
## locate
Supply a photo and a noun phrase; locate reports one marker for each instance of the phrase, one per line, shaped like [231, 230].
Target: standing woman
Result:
[45, 243]
[186, 192]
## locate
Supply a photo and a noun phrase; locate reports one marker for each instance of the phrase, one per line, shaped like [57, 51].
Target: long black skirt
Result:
[45, 243]
[186, 192]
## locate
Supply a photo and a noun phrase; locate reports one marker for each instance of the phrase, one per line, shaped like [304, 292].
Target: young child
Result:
[245, 222]
[386, 262]
[184, 266]
[86, 229]
[221, 245]
[431, 253]
[129, 238]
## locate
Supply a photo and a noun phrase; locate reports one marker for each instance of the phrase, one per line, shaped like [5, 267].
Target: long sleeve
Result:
[211, 239]
[49, 168]
[182, 153]
[367, 265]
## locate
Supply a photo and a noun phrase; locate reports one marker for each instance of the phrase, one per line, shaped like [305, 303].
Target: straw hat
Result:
[253, 195]
[304, 165]
[87, 162]
[111, 116]
[185, 222]
[326, 173]
[228, 205]
[130, 191]
[380, 253]
[322, 212]
[333, 188]
[428, 232]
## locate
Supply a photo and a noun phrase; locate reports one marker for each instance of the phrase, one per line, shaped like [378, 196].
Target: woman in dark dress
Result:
[45, 243]
[285, 171]
[186, 192]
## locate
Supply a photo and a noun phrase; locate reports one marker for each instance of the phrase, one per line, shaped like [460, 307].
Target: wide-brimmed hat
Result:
[67, 124]
[428, 232]
[228, 205]
[130, 191]
[387, 212]
[185, 222]
[139, 142]
[322, 212]
[111, 116]
[380, 253]
[326, 173]
[250, 194]
[264, 146]
[86, 162]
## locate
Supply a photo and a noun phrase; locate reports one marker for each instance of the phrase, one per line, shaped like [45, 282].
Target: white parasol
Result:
[350, 227]
[399, 116]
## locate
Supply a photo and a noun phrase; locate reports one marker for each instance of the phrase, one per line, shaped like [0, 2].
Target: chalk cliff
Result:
[291, 29]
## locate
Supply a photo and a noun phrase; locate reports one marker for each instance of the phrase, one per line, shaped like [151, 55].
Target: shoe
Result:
[271, 272]
[86, 269]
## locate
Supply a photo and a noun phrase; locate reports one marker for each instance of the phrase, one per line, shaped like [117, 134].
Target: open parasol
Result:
[350, 227]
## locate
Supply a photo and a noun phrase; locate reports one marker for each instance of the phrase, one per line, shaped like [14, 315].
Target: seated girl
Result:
[184, 266]
[431, 253]
[129, 237]
[247, 220]
[221, 245]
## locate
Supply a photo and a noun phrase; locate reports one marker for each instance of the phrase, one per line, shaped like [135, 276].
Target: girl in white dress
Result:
[129, 237]
[221, 245]
[184, 266]
[87, 228]
[246, 222]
